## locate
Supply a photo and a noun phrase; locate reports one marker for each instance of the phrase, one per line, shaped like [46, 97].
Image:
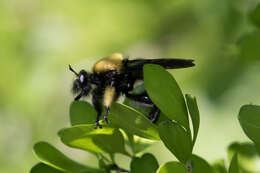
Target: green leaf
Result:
[50, 156]
[176, 139]
[198, 164]
[219, 167]
[247, 153]
[42, 168]
[194, 114]
[85, 137]
[111, 143]
[147, 163]
[249, 46]
[172, 167]
[234, 168]
[249, 118]
[166, 93]
[137, 143]
[255, 16]
[246, 149]
[82, 113]
[132, 121]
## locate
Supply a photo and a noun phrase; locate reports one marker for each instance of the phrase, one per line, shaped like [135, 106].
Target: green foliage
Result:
[133, 122]
[194, 114]
[42, 168]
[82, 113]
[146, 163]
[249, 118]
[255, 16]
[198, 164]
[107, 139]
[234, 168]
[130, 127]
[49, 155]
[170, 167]
[170, 99]
[176, 139]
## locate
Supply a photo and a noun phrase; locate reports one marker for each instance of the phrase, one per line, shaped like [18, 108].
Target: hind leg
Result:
[144, 98]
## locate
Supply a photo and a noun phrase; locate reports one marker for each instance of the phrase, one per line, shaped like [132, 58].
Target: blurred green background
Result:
[38, 39]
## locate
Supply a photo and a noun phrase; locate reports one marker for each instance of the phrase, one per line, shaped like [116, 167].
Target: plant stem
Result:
[189, 166]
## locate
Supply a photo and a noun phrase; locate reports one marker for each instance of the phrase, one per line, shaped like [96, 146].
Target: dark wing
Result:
[135, 67]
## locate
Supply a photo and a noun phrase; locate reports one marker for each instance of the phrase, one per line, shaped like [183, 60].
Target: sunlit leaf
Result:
[166, 93]
[50, 156]
[42, 168]
[176, 139]
[171, 167]
[132, 121]
[147, 163]
[194, 114]
[82, 113]
[249, 118]
[85, 137]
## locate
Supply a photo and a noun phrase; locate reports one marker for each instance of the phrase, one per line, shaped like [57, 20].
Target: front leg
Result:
[97, 105]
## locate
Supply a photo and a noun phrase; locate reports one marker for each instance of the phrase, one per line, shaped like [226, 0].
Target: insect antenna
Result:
[71, 69]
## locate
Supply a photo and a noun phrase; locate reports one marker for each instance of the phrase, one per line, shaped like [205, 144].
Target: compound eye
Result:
[81, 78]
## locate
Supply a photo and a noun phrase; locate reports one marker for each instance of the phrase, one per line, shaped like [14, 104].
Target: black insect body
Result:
[113, 76]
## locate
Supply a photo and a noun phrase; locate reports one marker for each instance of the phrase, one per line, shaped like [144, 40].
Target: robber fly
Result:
[113, 76]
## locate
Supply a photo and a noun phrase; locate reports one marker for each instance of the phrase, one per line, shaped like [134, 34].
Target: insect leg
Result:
[154, 114]
[106, 114]
[144, 98]
[97, 105]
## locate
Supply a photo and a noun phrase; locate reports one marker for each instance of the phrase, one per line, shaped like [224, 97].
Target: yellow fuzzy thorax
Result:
[111, 62]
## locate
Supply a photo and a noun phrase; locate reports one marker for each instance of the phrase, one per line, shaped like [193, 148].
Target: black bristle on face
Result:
[76, 87]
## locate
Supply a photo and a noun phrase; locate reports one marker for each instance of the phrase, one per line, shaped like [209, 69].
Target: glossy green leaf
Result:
[85, 137]
[166, 93]
[198, 164]
[172, 167]
[50, 156]
[249, 118]
[132, 122]
[194, 114]
[82, 113]
[176, 139]
[42, 168]
[255, 16]
[147, 163]
[234, 167]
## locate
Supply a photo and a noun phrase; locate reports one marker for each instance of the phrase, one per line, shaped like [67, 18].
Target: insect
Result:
[113, 76]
